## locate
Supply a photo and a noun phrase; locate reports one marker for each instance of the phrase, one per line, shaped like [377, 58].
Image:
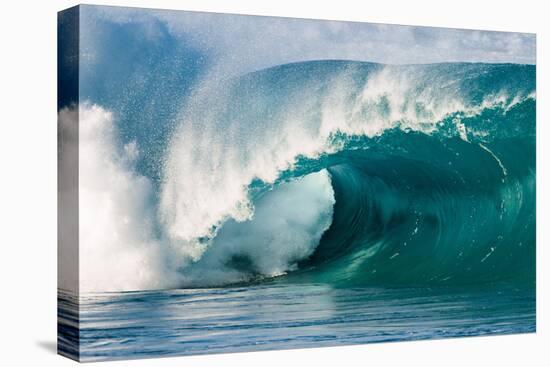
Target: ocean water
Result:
[282, 316]
[309, 204]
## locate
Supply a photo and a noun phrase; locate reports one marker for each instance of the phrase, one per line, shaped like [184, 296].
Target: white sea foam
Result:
[117, 248]
[286, 227]
[120, 249]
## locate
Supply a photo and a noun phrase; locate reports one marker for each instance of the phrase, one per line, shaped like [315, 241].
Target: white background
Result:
[28, 182]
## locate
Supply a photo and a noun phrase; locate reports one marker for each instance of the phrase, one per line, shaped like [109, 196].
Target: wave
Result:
[351, 173]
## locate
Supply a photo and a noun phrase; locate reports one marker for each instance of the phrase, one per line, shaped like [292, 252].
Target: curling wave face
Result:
[433, 169]
[350, 173]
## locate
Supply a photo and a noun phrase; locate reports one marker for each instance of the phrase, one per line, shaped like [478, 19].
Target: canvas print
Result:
[232, 183]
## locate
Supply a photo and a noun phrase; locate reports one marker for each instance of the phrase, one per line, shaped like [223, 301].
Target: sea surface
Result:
[283, 316]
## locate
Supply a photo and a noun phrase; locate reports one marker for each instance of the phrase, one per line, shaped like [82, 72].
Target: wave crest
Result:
[258, 126]
[259, 172]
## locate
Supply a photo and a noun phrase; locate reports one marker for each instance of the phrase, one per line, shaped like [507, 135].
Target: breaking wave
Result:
[344, 172]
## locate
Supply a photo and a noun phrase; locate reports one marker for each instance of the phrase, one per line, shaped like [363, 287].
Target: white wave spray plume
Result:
[120, 250]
